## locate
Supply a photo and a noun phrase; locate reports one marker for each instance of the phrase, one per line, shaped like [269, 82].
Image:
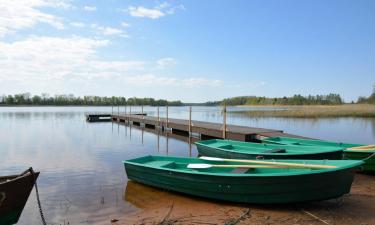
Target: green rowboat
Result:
[248, 150]
[253, 185]
[367, 155]
[14, 192]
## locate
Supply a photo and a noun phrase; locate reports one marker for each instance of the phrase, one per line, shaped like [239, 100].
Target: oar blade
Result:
[199, 166]
[211, 158]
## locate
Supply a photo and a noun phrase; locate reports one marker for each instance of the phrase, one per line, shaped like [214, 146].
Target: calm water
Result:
[82, 177]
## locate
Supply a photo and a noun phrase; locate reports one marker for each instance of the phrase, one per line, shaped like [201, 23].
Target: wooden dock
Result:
[203, 129]
[99, 117]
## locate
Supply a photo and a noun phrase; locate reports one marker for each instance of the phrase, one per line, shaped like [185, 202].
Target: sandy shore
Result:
[161, 207]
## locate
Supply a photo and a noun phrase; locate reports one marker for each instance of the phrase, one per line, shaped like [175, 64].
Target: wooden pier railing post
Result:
[158, 118]
[143, 118]
[190, 131]
[125, 114]
[130, 112]
[167, 118]
[224, 122]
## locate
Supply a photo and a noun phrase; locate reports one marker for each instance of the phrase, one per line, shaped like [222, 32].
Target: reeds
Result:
[312, 111]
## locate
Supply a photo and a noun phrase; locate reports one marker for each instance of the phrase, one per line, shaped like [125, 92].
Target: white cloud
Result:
[125, 24]
[46, 58]
[145, 12]
[155, 12]
[89, 8]
[166, 62]
[77, 24]
[110, 31]
[152, 80]
[20, 14]
[50, 60]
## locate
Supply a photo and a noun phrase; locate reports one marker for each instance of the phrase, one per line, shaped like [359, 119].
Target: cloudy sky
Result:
[189, 50]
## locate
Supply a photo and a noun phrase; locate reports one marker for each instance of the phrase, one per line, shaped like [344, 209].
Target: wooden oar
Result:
[206, 166]
[294, 165]
[363, 148]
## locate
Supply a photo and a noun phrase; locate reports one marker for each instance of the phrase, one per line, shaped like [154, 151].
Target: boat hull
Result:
[246, 150]
[215, 152]
[14, 195]
[306, 142]
[369, 165]
[275, 189]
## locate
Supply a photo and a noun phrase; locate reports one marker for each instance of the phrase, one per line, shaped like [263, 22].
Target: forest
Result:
[60, 100]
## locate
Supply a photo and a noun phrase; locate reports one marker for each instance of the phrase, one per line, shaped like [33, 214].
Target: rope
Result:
[372, 155]
[37, 197]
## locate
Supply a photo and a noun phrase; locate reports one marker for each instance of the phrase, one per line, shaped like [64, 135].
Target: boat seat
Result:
[276, 150]
[240, 170]
[159, 163]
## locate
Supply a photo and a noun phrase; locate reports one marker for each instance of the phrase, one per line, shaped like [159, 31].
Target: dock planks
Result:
[205, 129]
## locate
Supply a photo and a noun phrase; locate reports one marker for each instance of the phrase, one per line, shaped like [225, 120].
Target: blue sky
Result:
[194, 51]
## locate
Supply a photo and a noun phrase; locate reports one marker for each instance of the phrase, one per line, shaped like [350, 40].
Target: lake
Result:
[82, 177]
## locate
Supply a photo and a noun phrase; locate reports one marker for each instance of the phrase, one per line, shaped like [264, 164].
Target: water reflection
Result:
[82, 176]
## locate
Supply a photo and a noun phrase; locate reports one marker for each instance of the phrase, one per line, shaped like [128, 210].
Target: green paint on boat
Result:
[306, 142]
[260, 185]
[248, 150]
[369, 165]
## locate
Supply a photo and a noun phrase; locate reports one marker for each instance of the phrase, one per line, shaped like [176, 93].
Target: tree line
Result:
[330, 99]
[61, 100]
[368, 100]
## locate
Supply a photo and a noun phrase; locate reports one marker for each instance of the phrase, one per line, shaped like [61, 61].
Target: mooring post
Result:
[158, 118]
[118, 111]
[112, 111]
[224, 122]
[130, 113]
[190, 109]
[143, 118]
[125, 114]
[167, 117]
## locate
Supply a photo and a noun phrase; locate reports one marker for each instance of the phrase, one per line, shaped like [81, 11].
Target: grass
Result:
[311, 111]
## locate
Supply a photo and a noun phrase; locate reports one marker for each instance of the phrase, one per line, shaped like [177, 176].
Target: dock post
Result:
[118, 111]
[143, 119]
[190, 109]
[112, 111]
[224, 122]
[167, 117]
[125, 115]
[130, 113]
[158, 118]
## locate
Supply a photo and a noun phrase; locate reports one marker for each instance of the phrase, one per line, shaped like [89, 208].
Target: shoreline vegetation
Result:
[26, 99]
[309, 111]
[297, 106]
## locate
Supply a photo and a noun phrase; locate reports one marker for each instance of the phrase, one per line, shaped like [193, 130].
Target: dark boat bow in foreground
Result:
[14, 192]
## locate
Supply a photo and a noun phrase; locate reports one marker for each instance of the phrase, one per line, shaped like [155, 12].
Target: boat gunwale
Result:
[272, 139]
[351, 164]
[329, 149]
[16, 177]
[360, 151]
[321, 141]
